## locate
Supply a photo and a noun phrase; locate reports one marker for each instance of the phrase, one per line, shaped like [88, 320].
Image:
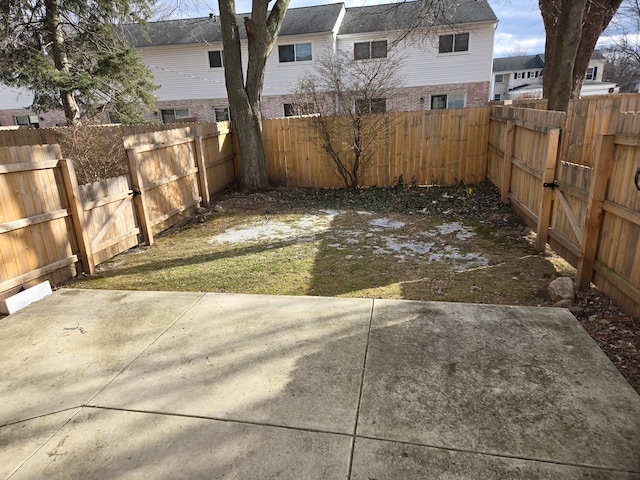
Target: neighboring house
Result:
[521, 77]
[449, 67]
[14, 103]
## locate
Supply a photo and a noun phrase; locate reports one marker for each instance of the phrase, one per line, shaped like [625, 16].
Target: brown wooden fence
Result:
[442, 147]
[570, 176]
[589, 212]
[52, 228]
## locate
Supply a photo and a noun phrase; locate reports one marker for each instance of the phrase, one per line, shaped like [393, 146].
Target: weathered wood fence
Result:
[442, 147]
[570, 176]
[52, 228]
[586, 208]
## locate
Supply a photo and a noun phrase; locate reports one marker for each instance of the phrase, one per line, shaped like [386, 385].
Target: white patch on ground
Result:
[386, 223]
[302, 230]
[402, 246]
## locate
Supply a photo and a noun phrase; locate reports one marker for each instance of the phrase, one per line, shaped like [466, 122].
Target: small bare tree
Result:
[347, 102]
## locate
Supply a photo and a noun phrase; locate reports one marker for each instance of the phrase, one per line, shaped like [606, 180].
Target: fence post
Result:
[202, 169]
[138, 196]
[603, 160]
[77, 216]
[509, 141]
[548, 177]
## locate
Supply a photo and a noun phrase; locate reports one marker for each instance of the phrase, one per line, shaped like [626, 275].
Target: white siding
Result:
[423, 65]
[281, 78]
[183, 72]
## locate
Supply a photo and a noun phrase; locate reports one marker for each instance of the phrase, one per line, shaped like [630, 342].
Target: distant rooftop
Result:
[528, 62]
[310, 20]
[401, 16]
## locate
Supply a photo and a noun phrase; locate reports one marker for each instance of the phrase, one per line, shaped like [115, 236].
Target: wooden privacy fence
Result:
[589, 214]
[51, 228]
[442, 147]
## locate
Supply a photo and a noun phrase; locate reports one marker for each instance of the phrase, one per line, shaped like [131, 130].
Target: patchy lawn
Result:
[425, 243]
[451, 244]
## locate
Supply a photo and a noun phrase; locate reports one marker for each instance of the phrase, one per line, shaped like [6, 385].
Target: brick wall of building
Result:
[45, 120]
[410, 98]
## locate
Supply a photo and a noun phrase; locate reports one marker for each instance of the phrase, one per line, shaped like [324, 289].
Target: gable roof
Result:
[297, 21]
[528, 62]
[523, 62]
[405, 15]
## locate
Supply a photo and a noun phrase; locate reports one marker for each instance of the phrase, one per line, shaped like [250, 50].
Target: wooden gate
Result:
[112, 226]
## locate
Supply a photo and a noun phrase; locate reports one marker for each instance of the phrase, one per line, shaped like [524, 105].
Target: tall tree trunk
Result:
[597, 16]
[60, 60]
[563, 26]
[244, 99]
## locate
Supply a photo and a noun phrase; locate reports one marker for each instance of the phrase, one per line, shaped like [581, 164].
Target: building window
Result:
[449, 100]
[216, 59]
[222, 114]
[518, 75]
[374, 105]
[366, 50]
[173, 114]
[294, 109]
[299, 52]
[591, 73]
[496, 97]
[499, 78]
[27, 120]
[454, 43]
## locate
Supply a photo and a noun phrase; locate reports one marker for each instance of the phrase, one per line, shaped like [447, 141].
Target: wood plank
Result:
[113, 218]
[618, 281]
[139, 199]
[40, 272]
[627, 214]
[92, 205]
[202, 173]
[175, 211]
[28, 166]
[33, 220]
[168, 179]
[548, 176]
[115, 240]
[599, 178]
[77, 214]
[568, 211]
[507, 159]
[161, 145]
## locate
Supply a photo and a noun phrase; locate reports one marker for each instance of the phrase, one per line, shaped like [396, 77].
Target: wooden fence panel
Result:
[166, 175]
[218, 156]
[37, 240]
[110, 217]
[427, 147]
[617, 261]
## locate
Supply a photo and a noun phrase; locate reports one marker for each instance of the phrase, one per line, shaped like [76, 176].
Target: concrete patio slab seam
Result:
[502, 456]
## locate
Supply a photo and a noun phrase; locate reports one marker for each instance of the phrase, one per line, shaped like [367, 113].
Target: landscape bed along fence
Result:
[52, 229]
[586, 208]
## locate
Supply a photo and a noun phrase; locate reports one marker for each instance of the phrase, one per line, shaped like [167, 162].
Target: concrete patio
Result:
[111, 384]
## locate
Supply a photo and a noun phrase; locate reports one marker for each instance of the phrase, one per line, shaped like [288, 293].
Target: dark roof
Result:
[297, 21]
[528, 62]
[525, 62]
[408, 14]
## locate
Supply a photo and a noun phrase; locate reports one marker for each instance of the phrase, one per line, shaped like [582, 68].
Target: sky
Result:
[520, 28]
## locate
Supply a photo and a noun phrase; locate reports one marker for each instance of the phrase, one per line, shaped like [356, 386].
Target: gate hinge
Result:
[553, 184]
[135, 192]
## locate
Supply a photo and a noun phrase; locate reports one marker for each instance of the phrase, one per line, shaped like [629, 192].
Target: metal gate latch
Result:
[553, 184]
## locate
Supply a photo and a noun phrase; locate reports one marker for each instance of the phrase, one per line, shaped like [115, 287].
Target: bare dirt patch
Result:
[422, 243]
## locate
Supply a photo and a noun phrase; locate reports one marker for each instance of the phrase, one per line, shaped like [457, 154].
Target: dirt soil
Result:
[617, 334]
